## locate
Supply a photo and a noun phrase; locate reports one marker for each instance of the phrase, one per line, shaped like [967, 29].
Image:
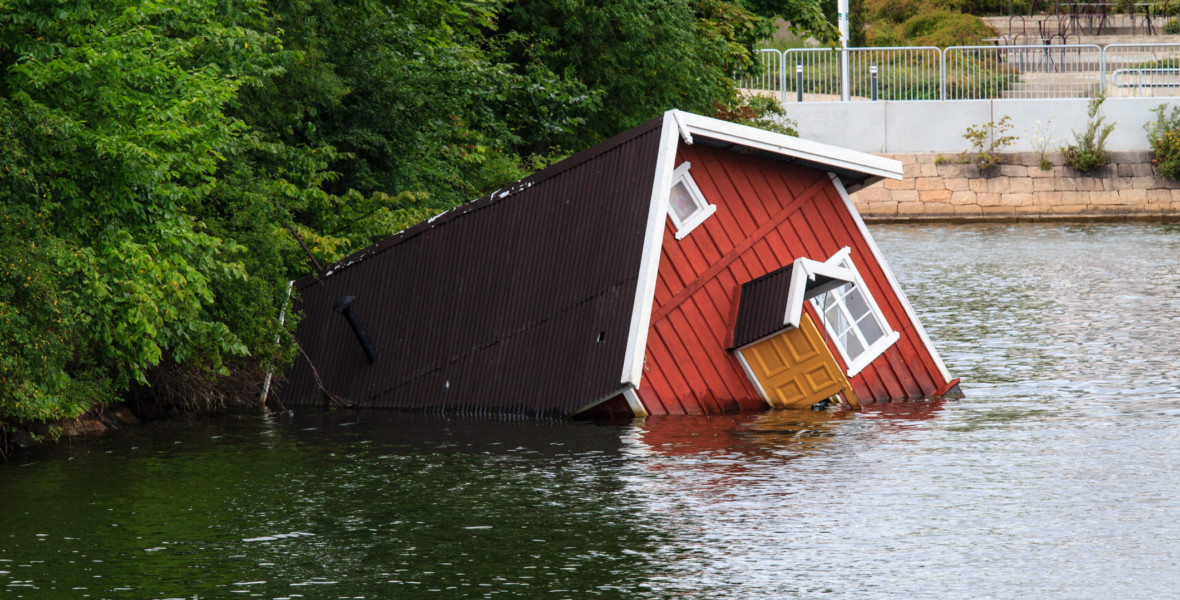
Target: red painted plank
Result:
[916, 369]
[746, 244]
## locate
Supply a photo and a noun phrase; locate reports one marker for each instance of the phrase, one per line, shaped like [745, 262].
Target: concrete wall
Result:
[1018, 188]
[938, 126]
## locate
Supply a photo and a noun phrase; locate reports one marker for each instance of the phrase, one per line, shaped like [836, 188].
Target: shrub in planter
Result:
[1088, 152]
[1164, 135]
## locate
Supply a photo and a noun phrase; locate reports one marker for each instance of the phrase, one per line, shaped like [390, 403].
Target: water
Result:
[1055, 478]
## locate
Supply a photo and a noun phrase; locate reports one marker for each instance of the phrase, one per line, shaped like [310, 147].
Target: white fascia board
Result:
[803, 270]
[778, 143]
[653, 240]
[909, 310]
[684, 134]
[635, 403]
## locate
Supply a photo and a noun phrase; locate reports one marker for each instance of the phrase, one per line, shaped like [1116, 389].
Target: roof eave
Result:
[813, 153]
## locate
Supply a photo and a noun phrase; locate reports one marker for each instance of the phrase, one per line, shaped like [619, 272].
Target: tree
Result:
[635, 58]
[114, 115]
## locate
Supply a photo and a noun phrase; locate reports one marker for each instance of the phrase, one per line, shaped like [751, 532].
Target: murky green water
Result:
[1057, 477]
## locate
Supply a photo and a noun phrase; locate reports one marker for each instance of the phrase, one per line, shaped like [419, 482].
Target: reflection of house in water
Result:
[762, 435]
[687, 266]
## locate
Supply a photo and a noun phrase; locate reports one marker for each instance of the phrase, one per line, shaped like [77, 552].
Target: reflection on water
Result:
[1054, 478]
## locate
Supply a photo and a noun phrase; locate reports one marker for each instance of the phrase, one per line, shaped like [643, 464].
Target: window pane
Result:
[870, 329]
[857, 306]
[842, 291]
[852, 345]
[852, 319]
[682, 202]
[835, 317]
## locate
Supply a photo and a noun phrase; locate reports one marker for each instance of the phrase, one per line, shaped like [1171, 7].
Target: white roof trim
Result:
[684, 134]
[649, 262]
[909, 310]
[634, 402]
[805, 270]
[823, 154]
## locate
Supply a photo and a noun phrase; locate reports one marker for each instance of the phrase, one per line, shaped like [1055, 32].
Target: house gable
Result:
[769, 214]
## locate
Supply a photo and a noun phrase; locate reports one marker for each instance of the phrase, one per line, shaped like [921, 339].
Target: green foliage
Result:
[900, 11]
[807, 18]
[1041, 140]
[1164, 135]
[1088, 152]
[999, 7]
[763, 112]
[115, 113]
[155, 157]
[987, 140]
[940, 23]
[856, 20]
[633, 58]
[410, 94]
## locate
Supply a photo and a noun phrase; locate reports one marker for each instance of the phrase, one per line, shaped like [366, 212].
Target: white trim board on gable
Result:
[818, 154]
[880, 258]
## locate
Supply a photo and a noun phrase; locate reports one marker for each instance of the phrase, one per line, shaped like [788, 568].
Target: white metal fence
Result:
[969, 72]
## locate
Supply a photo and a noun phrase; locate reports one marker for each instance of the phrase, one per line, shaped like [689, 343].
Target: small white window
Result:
[686, 205]
[853, 319]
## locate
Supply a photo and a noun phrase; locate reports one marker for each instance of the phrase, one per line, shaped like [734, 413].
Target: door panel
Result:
[796, 369]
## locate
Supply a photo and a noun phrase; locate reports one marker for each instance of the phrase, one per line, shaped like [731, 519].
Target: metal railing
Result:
[1036, 71]
[767, 79]
[1142, 70]
[1029, 71]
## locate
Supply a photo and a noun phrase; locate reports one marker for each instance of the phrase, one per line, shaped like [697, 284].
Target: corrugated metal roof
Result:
[517, 302]
[762, 306]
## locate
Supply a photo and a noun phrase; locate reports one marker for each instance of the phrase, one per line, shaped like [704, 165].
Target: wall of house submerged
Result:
[768, 214]
[1018, 189]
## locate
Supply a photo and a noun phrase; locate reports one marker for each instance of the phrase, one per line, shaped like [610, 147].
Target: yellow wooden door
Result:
[796, 369]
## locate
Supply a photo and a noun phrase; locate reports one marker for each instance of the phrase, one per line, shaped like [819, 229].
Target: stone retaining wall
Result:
[1018, 188]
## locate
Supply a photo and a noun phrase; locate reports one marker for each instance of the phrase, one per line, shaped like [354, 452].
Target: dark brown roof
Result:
[518, 302]
[762, 306]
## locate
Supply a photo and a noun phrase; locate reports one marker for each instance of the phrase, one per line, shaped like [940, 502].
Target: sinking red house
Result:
[688, 265]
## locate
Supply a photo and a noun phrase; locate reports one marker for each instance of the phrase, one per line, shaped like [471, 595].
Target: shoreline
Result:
[938, 188]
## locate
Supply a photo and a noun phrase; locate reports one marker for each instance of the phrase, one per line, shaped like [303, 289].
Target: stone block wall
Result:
[1018, 188]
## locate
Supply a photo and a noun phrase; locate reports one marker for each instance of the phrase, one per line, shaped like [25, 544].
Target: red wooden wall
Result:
[768, 214]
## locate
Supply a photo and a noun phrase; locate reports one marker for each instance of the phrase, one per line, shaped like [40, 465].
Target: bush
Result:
[1088, 152]
[1164, 135]
[986, 141]
[944, 28]
[899, 11]
[913, 23]
[763, 112]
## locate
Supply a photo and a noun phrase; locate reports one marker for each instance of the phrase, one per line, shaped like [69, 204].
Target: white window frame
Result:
[704, 209]
[823, 301]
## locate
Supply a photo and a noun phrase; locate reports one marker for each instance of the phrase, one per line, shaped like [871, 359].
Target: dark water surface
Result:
[1057, 477]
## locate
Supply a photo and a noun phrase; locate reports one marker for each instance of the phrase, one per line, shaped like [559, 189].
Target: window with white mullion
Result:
[853, 320]
[686, 204]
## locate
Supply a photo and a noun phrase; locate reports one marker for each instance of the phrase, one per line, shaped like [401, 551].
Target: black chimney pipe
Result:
[344, 307]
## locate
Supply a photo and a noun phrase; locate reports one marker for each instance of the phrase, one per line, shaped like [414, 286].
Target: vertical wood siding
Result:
[768, 214]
